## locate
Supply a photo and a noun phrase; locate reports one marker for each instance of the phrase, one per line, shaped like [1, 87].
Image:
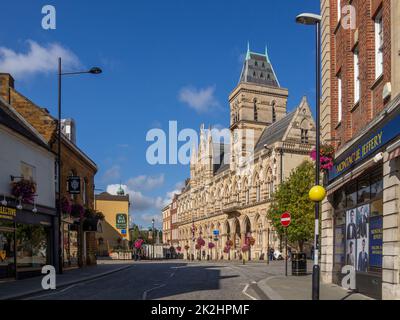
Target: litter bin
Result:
[299, 264]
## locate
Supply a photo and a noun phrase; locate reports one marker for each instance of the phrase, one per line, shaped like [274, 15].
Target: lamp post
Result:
[152, 223]
[315, 20]
[93, 70]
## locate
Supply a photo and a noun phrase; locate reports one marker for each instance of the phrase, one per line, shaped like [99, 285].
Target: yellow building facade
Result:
[113, 233]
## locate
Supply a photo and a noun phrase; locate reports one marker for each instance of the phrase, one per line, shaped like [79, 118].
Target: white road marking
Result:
[53, 293]
[144, 296]
[246, 294]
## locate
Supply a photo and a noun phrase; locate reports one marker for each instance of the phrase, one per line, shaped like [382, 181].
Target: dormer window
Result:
[261, 75]
[254, 74]
[273, 112]
[263, 65]
[255, 63]
[255, 110]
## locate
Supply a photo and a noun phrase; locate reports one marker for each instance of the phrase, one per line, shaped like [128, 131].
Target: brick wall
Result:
[343, 42]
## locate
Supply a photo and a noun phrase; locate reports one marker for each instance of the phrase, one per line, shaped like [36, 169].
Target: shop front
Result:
[70, 236]
[26, 241]
[362, 198]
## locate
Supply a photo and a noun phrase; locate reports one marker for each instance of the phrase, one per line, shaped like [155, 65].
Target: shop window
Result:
[351, 196]
[339, 200]
[376, 187]
[364, 191]
[32, 247]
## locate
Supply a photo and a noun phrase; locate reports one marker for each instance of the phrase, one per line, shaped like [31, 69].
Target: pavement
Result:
[176, 280]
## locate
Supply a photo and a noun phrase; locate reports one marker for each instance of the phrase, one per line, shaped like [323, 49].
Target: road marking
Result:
[53, 293]
[248, 295]
[144, 296]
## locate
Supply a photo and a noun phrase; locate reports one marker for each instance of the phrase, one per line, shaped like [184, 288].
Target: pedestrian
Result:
[312, 252]
[271, 254]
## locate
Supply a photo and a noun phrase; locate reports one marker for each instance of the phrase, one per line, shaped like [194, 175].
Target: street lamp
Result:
[315, 20]
[152, 223]
[94, 70]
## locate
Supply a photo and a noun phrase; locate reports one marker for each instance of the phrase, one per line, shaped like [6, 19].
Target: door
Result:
[7, 254]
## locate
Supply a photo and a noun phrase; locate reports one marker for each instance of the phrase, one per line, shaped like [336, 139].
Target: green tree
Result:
[292, 196]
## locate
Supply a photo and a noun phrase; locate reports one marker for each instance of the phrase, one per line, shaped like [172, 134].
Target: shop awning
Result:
[394, 154]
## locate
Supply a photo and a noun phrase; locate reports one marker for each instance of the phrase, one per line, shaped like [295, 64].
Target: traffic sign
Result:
[286, 219]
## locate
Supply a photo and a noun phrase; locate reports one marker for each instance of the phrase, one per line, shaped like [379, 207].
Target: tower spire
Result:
[248, 51]
[266, 54]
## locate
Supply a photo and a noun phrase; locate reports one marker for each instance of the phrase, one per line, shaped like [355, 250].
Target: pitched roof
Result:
[275, 132]
[105, 196]
[257, 68]
[11, 120]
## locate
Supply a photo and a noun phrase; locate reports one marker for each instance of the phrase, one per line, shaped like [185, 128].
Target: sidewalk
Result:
[279, 287]
[21, 288]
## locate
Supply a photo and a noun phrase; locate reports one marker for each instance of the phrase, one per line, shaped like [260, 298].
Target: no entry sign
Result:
[286, 219]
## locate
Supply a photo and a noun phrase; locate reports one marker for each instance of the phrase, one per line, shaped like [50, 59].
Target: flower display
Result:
[138, 243]
[187, 247]
[24, 190]
[178, 248]
[211, 245]
[66, 206]
[245, 248]
[229, 243]
[327, 153]
[250, 241]
[198, 247]
[227, 249]
[77, 210]
[201, 242]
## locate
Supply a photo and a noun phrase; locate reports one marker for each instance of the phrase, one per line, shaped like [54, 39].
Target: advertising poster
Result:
[375, 242]
[362, 238]
[340, 247]
[351, 237]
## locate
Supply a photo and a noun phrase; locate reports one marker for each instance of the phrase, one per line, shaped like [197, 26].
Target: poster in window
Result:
[375, 242]
[351, 237]
[362, 241]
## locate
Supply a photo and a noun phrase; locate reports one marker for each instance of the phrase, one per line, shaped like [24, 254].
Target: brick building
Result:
[359, 117]
[78, 242]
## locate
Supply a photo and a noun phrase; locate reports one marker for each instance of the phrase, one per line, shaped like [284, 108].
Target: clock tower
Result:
[257, 101]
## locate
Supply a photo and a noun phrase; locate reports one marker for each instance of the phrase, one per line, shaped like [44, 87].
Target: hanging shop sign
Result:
[121, 221]
[7, 213]
[368, 146]
[74, 185]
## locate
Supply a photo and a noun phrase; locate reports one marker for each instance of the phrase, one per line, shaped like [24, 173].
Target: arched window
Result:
[304, 131]
[255, 110]
[258, 193]
[273, 111]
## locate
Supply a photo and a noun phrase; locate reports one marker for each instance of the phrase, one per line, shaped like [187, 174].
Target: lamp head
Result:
[95, 70]
[308, 18]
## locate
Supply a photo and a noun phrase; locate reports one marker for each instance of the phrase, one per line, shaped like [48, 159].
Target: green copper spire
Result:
[248, 51]
[120, 191]
[266, 54]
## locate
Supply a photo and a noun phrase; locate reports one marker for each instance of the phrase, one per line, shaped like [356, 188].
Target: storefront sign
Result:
[7, 213]
[375, 242]
[74, 185]
[121, 221]
[367, 147]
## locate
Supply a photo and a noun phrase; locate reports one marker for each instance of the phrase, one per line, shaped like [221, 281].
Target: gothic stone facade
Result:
[233, 196]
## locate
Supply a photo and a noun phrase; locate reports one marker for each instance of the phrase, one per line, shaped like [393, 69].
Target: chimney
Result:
[6, 84]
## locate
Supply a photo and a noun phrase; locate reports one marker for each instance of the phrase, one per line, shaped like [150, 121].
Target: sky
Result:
[162, 61]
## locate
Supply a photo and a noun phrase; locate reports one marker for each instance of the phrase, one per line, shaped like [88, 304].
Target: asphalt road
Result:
[172, 280]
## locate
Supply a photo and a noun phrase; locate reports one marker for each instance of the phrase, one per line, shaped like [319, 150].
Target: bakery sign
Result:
[7, 213]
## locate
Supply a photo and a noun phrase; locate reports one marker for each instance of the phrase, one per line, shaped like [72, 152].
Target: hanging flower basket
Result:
[211, 245]
[179, 249]
[245, 248]
[24, 190]
[201, 242]
[66, 206]
[187, 247]
[198, 247]
[327, 154]
[139, 243]
[227, 249]
[250, 241]
[77, 211]
[229, 243]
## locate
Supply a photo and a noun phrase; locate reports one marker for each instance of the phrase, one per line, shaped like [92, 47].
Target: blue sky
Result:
[162, 61]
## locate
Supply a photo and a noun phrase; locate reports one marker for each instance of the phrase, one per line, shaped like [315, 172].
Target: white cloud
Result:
[114, 173]
[146, 182]
[201, 100]
[37, 59]
[148, 218]
[178, 189]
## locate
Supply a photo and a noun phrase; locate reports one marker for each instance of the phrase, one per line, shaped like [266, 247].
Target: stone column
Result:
[327, 241]
[391, 234]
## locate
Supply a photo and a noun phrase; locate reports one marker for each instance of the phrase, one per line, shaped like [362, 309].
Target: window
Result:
[258, 193]
[255, 110]
[356, 76]
[273, 112]
[304, 136]
[340, 101]
[378, 45]
[28, 171]
[339, 9]
[247, 196]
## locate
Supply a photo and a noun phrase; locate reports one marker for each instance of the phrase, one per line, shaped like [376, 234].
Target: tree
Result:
[292, 196]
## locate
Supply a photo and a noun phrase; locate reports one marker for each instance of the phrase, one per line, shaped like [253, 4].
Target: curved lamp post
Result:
[94, 70]
[315, 20]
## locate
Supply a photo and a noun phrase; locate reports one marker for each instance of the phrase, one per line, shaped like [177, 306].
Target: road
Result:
[172, 280]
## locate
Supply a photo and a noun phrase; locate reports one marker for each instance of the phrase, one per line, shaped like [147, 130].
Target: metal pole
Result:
[268, 248]
[59, 249]
[316, 268]
[153, 239]
[286, 254]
